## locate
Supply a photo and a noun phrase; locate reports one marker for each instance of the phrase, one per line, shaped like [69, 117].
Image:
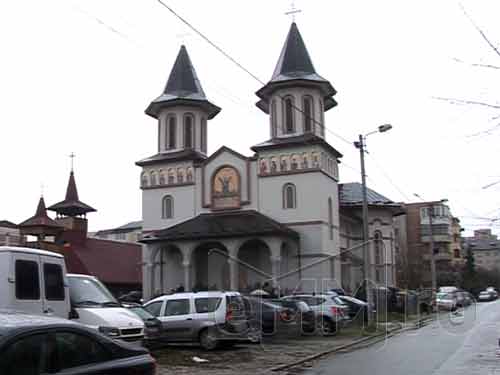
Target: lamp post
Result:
[361, 144]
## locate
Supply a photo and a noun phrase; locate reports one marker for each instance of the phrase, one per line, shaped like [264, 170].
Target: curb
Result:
[387, 334]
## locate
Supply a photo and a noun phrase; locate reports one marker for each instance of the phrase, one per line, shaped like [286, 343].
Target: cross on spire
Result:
[72, 156]
[182, 36]
[293, 11]
[42, 186]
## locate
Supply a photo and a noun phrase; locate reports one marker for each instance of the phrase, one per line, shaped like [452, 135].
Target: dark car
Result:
[152, 325]
[272, 318]
[33, 345]
[305, 313]
[357, 308]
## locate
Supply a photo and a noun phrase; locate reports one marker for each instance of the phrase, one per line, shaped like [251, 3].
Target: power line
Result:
[388, 178]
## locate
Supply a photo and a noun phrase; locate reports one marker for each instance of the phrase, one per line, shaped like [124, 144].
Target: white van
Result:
[93, 304]
[36, 282]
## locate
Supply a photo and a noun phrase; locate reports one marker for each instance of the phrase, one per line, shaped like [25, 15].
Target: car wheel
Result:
[325, 327]
[208, 340]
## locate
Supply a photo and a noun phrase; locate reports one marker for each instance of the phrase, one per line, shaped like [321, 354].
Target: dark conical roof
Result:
[294, 60]
[183, 87]
[40, 219]
[295, 68]
[71, 205]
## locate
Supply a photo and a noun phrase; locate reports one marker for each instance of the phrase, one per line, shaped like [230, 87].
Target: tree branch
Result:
[492, 46]
[462, 101]
[490, 66]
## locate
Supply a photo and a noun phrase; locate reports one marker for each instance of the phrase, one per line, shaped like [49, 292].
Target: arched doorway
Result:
[254, 267]
[210, 266]
[167, 271]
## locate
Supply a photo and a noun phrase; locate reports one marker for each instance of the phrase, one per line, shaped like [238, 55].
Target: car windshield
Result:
[89, 291]
[143, 314]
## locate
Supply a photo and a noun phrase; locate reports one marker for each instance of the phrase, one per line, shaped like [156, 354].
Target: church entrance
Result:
[210, 267]
[254, 266]
[168, 271]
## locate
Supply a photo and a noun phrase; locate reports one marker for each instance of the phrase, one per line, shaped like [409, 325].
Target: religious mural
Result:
[226, 189]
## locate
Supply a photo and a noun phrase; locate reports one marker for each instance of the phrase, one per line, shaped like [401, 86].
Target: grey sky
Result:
[76, 76]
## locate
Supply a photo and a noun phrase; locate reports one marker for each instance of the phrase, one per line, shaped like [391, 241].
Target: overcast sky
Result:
[76, 76]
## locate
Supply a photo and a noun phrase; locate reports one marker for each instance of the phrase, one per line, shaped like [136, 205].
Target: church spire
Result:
[71, 205]
[183, 88]
[295, 69]
[40, 224]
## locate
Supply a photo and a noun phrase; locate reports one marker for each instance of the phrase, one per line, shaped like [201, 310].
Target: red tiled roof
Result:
[110, 261]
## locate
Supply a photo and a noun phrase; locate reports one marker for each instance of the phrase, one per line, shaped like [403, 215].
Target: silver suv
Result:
[330, 313]
[210, 318]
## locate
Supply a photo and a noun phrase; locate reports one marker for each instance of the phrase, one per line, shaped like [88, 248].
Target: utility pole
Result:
[366, 235]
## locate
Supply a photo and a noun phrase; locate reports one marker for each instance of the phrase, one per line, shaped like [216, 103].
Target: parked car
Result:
[32, 345]
[330, 315]
[357, 307]
[305, 313]
[492, 290]
[134, 296]
[152, 325]
[33, 282]
[486, 295]
[93, 304]
[446, 301]
[209, 318]
[273, 317]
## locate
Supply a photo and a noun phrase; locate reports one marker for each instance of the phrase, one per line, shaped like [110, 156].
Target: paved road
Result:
[462, 344]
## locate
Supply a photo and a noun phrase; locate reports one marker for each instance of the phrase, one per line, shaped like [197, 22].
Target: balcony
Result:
[437, 238]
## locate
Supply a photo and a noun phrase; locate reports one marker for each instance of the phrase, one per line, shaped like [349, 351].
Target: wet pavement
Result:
[244, 359]
[461, 344]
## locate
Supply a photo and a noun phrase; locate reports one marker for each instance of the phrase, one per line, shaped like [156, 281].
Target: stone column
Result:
[233, 274]
[275, 267]
[187, 271]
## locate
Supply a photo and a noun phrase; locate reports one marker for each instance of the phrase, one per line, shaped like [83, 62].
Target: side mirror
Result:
[73, 314]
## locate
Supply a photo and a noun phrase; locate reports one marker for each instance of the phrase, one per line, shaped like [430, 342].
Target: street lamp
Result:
[360, 144]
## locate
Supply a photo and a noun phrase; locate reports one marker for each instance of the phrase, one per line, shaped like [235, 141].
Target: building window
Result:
[171, 132]
[289, 125]
[153, 179]
[322, 117]
[289, 196]
[167, 207]
[188, 131]
[274, 119]
[204, 135]
[308, 114]
[377, 243]
[330, 217]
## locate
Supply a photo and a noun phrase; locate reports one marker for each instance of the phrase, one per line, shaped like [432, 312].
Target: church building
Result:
[233, 222]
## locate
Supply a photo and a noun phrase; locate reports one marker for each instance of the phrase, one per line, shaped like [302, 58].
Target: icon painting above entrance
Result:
[226, 189]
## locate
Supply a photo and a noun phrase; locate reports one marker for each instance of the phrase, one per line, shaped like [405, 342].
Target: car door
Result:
[26, 275]
[55, 291]
[177, 319]
[27, 354]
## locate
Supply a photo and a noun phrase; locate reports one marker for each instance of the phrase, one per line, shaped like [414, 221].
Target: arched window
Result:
[167, 207]
[377, 245]
[204, 135]
[289, 196]
[308, 113]
[153, 178]
[144, 179]
[188, 131]
[330, 217]
[289, 126]
[171, 132]
[162, 177]
[274, 119]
